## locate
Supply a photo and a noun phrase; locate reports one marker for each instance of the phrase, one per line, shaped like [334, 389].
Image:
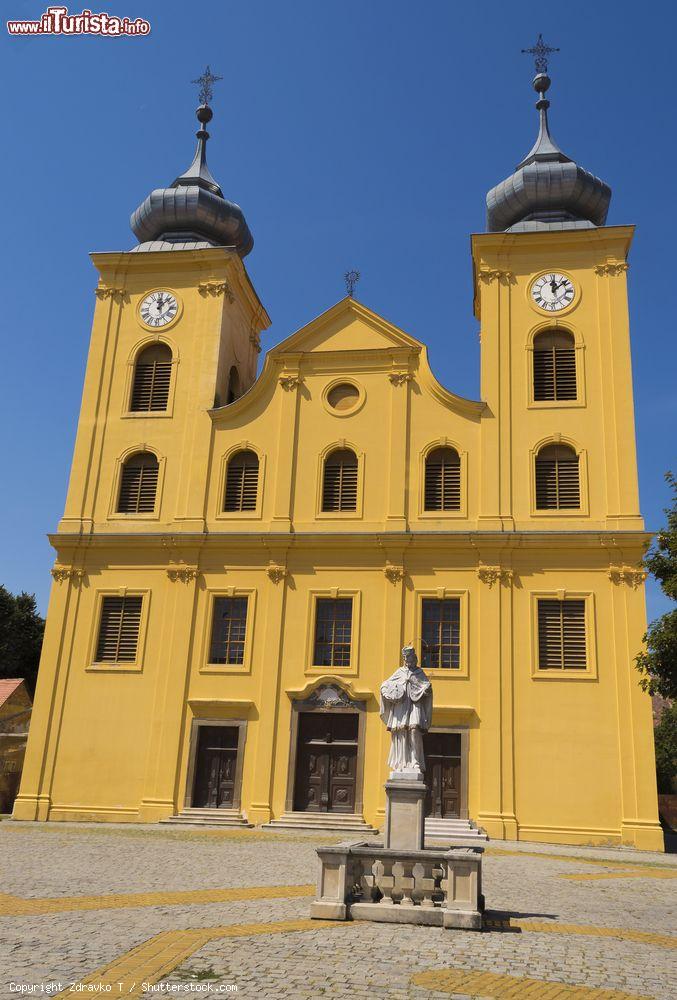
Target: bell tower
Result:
[551, 295]
[175, 334]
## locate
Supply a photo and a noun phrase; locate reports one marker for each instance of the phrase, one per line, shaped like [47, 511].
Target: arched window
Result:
[233, 386]
[339, 485]
[443, 480]
[138, 484]
[242, 481]
[554, 366]
[152, 375]
[557, 478]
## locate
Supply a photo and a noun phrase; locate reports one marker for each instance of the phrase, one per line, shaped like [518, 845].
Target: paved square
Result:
[155, 911]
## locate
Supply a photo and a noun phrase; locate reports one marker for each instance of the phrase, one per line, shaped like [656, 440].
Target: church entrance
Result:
[443, 760]
[215, 767]
[326, 762]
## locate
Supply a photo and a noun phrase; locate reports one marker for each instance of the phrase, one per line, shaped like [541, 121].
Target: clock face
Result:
[158, 308]
[552, 292]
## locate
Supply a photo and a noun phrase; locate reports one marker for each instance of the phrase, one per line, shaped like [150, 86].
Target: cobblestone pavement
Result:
[214, 910]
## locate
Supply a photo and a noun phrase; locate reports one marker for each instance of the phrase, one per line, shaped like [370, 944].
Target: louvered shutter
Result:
[557, 479]
[339, 487]
[242, 482]
[152, 375]
[119, 629]
[443, 480]
[138, 484]
[554, 367]
[561, 635]
[565, 373]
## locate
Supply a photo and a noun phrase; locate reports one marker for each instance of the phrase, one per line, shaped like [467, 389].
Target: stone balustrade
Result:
[363, 881]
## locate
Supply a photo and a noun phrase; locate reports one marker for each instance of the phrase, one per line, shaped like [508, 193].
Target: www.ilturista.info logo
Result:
[57, 21]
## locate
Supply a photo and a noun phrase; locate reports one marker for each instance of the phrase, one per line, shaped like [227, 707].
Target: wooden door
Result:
[326, 765]
[215, 767]
[443, 774]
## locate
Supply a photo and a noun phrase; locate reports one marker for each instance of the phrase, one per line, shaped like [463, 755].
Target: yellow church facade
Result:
[242, 558]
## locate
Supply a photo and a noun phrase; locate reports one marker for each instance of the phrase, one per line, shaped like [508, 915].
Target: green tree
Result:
[21, 631]
[665, 736]
[658, 663]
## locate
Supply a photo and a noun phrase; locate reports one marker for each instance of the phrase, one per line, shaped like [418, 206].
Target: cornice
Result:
[210, 264]
[459, 404]
[355, 694]
[403, 359]
[603, 542]
[578, 239]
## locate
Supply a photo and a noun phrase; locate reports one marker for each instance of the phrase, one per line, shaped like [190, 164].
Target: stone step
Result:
[341, 822]
[208, 817]
[463, 832]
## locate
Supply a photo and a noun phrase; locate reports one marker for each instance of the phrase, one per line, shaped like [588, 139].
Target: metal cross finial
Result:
[205, 81]
[540, 51]
[351, 279]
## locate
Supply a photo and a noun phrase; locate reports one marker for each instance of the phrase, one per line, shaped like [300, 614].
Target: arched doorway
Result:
[326, 763]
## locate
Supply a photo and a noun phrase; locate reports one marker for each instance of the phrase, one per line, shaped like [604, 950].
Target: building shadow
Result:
[498, 921]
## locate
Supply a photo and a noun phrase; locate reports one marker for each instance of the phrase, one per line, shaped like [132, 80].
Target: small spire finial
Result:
[351, 278]
[540, 51]
[205, 83]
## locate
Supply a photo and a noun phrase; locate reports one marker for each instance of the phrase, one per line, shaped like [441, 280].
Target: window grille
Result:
[229, 627]
[561, 635]
[242, 481]
[554, 367]
[138, 484]
[441, 633]
[119, 629]
[333, 632]
[339, 487]
[557, 479]
[152, 375]
[443, 480]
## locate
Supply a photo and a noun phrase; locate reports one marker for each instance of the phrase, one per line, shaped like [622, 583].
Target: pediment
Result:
[347, 326]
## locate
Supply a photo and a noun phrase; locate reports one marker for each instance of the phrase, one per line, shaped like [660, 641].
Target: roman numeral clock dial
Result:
[158, 308]
[552, 292]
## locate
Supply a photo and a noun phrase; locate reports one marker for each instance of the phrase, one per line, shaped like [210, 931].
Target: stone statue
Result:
[406, 710]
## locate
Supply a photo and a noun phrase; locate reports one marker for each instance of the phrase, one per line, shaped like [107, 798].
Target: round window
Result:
[343, 396]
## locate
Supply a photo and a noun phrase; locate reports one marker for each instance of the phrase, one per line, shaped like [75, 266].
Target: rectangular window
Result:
[333, 631]
[229, 627]
[441, 633]
[119, 629]
[561, 635]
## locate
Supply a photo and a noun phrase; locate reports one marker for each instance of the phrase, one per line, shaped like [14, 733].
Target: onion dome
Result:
[192, 212]
[547, 190]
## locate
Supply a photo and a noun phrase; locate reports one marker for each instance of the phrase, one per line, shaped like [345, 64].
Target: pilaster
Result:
[82, 487]
[495, 512]
[290, 382]
[199, 375]
[398, 463]
[166, 725]
[617, 395]
[268, 698]
[639, 823]
[496, 697]
[393, 641]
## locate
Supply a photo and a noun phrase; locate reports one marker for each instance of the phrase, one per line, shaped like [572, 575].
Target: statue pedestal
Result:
[405, 811]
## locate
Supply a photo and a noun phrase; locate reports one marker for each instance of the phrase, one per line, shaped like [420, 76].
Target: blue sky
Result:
[354, 133]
